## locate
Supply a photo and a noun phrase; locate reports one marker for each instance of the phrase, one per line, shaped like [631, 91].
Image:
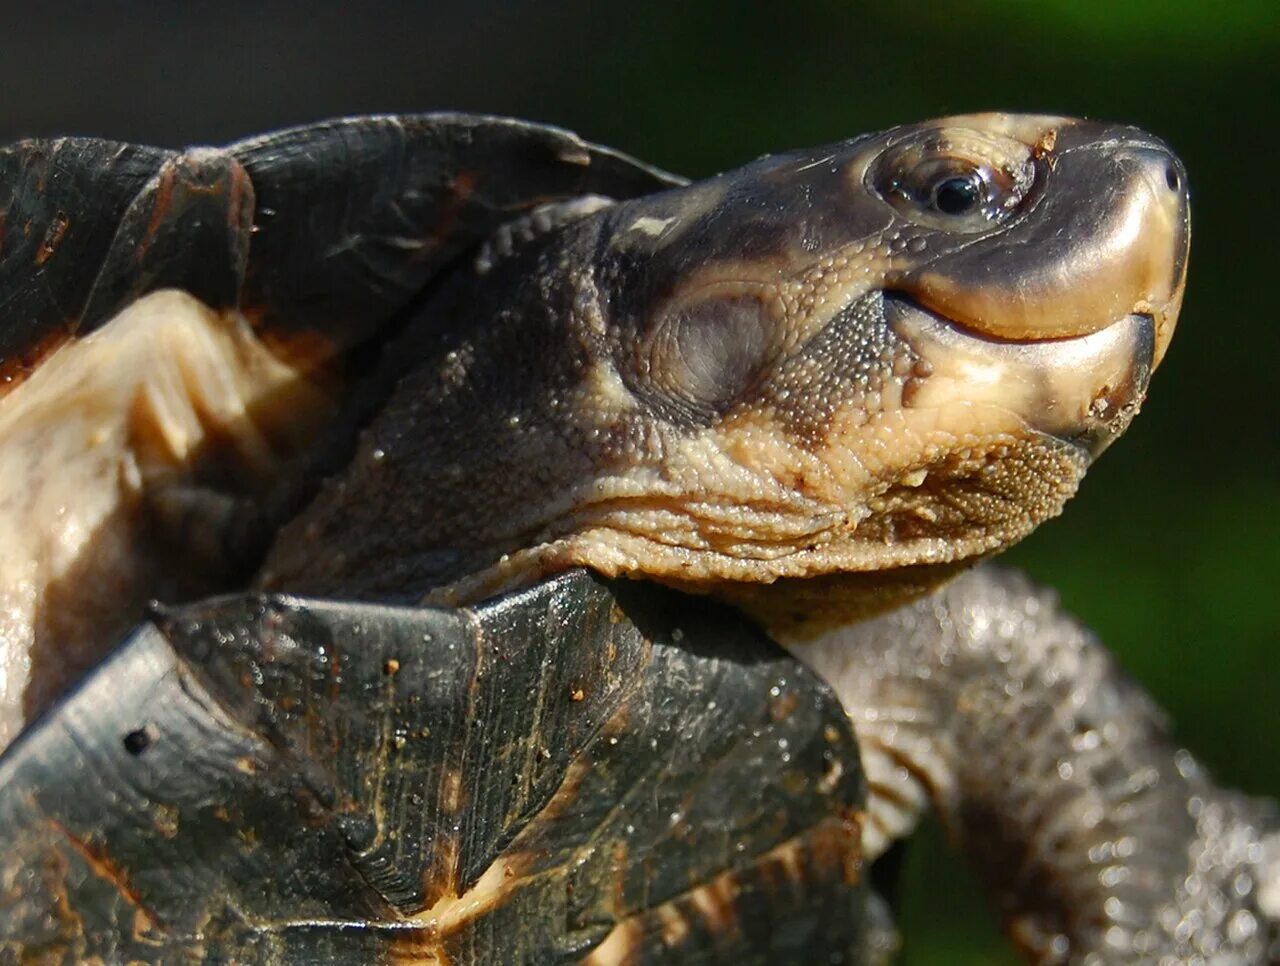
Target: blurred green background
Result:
[1170, 551]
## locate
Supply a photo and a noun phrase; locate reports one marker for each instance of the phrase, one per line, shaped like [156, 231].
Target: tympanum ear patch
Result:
[706, 352]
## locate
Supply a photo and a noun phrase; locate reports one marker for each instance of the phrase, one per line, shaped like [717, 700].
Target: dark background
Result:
[1170, 550]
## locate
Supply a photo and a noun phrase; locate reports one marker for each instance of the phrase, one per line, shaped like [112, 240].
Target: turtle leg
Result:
[144, 405]
[188, 229]
[127, 462]
[1102, 840]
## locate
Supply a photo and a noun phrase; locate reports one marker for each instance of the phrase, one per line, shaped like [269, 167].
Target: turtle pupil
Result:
[957, 196]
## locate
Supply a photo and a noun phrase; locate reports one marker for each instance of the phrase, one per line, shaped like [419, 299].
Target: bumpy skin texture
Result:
[1101, 839]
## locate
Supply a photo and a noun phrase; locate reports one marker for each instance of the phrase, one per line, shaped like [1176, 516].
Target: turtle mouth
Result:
[1082, 390]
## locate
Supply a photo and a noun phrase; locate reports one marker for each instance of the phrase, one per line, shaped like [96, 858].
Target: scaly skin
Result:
[1101, 839]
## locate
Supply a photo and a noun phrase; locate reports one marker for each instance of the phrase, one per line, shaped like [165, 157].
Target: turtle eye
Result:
[958, 195]
[954, 180]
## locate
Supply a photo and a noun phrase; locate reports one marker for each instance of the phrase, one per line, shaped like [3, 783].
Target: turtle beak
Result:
[1107, 238]
[1063, 314]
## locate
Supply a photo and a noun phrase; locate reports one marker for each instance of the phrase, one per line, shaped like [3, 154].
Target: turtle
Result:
[606, 551]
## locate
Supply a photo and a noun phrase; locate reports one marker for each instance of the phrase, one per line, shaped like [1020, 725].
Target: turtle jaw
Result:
[1114, 406]
[1083, 390]
[983, 441]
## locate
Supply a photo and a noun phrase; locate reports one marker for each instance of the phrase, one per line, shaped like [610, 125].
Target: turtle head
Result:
[1028, 262]
[1042, 227]
[910, 345]
[864, 365]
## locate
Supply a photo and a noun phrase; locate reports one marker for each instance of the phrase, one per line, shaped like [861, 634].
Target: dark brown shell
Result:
[579, 767]
[328, 228]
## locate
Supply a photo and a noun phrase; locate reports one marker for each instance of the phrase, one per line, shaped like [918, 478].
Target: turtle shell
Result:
[580, 770]
[328, 228]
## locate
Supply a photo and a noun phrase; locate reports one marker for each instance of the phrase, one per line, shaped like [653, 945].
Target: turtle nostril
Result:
[1171, 177]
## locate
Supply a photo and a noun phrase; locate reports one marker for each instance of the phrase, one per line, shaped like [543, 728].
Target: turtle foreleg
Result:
[1102, 840]
[126, 464]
